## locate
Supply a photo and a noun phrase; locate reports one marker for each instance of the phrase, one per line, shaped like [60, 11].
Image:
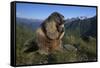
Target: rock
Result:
[69, 47]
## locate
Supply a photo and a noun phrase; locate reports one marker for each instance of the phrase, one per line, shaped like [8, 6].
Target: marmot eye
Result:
[60, 23]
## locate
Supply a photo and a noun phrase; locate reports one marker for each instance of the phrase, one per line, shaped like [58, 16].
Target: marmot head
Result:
[53, 25]
[57, 17]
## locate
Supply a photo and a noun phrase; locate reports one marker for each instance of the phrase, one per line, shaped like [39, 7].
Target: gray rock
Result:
[69, 47]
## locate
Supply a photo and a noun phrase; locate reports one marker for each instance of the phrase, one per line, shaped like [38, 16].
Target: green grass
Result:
[86, 50]
[22, 35]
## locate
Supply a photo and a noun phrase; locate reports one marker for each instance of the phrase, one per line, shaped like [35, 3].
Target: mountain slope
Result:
[29, 23]
[85, 27]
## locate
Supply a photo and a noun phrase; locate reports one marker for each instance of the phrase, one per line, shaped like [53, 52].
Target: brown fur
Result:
[48, 37]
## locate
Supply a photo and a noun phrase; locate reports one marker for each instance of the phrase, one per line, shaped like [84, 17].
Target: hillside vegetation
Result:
[79, 44]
